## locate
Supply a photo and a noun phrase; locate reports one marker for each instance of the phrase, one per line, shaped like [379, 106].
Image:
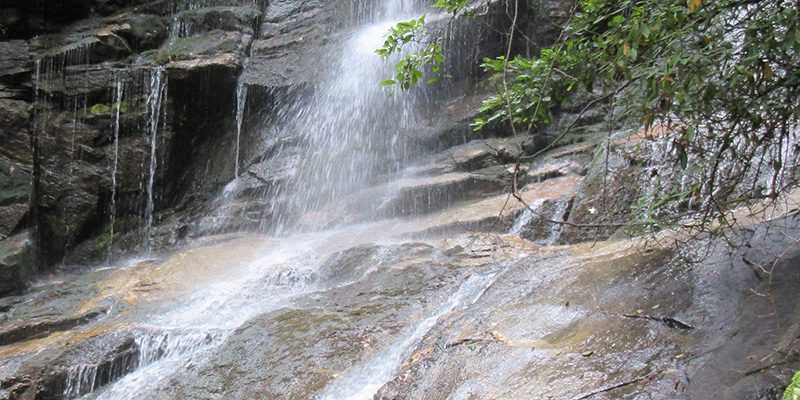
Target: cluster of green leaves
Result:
[723, 76]
[535, 91]
[454, 7]
[719, 79]
[409, 70]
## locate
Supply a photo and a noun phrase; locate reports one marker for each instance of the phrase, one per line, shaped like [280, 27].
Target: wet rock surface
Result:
[613, 324]
[17, 262]
[606, 319]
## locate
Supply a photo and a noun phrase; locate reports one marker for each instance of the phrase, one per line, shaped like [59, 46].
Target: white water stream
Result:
[364, 381]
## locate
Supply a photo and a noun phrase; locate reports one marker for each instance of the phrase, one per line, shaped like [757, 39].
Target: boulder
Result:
[197, 21]
[16, 59]
[15, 187]
[146, 31]
[16, 261]
[215, 47]
[283, 60]
[284, 16]
[15, 117]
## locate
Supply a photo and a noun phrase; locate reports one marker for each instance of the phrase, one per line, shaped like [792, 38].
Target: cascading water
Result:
[562, 207]
[210, 315]
[353, 131]
[525, 217]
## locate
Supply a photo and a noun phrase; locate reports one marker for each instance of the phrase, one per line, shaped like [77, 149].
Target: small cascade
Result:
[117, 106]
[241, 99]
[154, 347]
[525, 217]
[520, 222]
[55, 90]
[86, 378]
[558, 215]
[81, 379]
[366, 380]
[156, 99]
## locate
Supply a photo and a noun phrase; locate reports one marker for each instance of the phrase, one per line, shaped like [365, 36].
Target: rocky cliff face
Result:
[88, 121]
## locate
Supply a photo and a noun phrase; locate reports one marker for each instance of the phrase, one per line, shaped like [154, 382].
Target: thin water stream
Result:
[156, 98]
[113, 212]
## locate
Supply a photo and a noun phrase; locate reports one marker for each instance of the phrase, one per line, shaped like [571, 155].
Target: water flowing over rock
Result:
[216, 199]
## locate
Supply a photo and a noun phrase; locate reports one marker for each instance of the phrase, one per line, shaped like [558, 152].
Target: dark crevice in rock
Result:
[668, 321]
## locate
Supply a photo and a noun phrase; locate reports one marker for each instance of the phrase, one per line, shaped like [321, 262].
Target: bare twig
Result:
[615, 386]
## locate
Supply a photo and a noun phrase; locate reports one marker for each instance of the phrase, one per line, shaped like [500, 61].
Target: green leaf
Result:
[688, 134]
[389, 82]
[645, 31]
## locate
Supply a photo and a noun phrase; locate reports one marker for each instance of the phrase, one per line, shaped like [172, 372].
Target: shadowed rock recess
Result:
[215, 199]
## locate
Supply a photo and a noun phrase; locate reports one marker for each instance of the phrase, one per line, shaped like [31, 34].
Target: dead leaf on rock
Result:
[499, 337]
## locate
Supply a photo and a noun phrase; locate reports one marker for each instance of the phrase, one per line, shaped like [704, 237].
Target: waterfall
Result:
[353, 132]
[353, 137]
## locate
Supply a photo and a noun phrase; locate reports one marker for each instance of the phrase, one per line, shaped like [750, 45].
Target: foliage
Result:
[99, 109]
[718, 81]
[721, 77]
[429, 52]
[793, 391]
[409, 68]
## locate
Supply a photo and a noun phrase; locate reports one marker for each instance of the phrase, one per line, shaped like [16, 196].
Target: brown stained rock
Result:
[41, 328]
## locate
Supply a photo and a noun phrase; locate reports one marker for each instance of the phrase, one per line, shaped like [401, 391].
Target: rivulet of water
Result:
[156, 98]
[113, 212]
[365, 380]
[241, 100]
